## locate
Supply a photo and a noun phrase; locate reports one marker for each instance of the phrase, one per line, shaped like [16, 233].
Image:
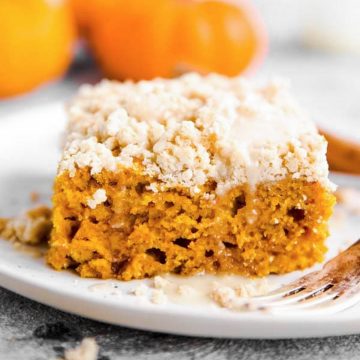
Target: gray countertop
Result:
[25, 325]
[328, 86]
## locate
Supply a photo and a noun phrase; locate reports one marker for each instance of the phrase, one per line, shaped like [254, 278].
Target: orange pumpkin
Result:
[133, 39]
[142, 39]
[35, 43]
[82, 14]
[220, 36]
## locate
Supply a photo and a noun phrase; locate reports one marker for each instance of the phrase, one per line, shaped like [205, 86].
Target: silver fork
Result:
[334, 288]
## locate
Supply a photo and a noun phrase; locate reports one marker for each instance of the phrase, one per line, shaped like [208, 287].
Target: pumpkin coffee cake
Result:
[188, 175]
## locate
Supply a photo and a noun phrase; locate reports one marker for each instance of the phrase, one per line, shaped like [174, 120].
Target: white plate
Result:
[29, 143]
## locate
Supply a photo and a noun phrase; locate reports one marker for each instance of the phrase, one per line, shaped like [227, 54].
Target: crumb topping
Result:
[185, 290]
[98, 198]
[160, 282]
[233, 297]
[194, 129]
[224, 296]
[158, 297]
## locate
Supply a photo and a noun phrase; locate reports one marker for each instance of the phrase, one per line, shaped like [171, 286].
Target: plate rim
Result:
[246, 325]
[220, 324]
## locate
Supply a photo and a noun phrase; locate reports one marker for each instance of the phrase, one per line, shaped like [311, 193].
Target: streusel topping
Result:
[98, 198]
[193, 129]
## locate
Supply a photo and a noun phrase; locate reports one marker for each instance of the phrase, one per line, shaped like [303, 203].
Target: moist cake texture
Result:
[193, 174]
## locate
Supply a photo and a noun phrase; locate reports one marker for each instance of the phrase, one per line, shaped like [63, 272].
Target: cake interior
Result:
[275, 227]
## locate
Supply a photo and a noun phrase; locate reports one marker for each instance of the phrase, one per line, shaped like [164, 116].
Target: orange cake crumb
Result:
[137, 233]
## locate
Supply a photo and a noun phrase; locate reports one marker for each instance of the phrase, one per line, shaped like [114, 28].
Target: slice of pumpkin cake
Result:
[187, 175]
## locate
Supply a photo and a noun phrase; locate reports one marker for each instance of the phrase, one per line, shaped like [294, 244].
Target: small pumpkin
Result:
[36, 43]
[142, 39]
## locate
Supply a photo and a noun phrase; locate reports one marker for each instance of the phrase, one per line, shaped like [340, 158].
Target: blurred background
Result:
[50, 47]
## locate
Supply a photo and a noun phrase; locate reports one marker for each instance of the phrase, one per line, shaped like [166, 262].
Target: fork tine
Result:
[334, 288]
[302, 295]
[321, 299]
[321, 308]
[314, 302]
[285, 290]
[341, 304]
[290, 289]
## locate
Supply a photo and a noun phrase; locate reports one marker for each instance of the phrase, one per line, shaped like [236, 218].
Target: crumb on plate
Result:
[158, 297]
[31, 227]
